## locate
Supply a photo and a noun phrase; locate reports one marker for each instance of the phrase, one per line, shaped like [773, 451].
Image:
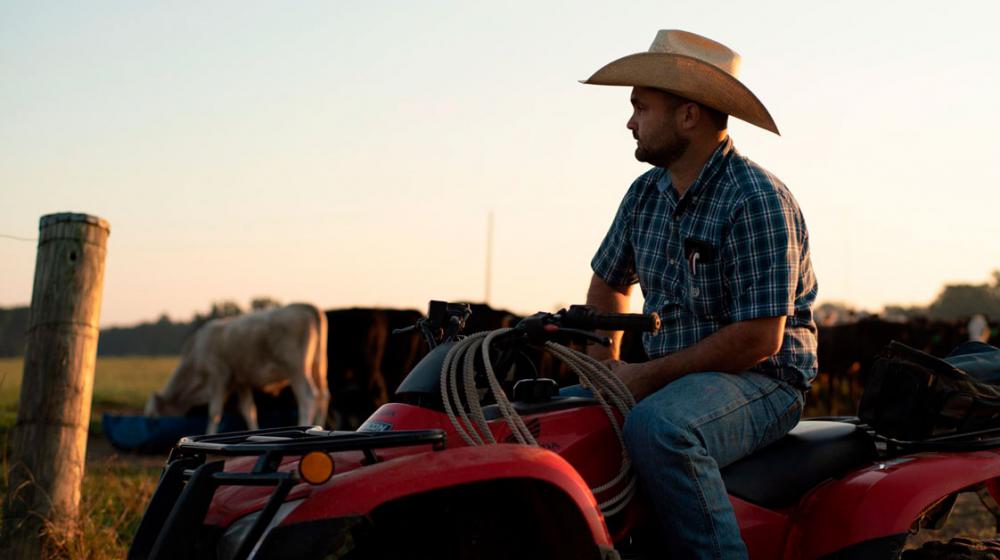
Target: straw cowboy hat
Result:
[692, 67]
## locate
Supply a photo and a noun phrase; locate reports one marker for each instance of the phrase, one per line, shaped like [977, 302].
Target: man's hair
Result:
[719, 119]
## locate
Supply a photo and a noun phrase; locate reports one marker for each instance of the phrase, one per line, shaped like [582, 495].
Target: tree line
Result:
[162, 337]
[166, 337]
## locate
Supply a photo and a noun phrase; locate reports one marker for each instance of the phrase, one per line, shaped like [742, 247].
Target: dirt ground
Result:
[100, 451]
[969, 519]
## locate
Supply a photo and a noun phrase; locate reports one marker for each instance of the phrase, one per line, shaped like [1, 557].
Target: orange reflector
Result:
[316, 467]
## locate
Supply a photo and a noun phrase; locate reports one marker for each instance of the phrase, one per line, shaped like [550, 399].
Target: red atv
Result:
[457, 469]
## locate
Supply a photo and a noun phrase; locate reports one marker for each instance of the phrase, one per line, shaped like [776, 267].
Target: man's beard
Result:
[669, 151]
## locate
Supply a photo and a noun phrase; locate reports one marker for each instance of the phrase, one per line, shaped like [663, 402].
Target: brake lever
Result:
[586, 335]
[539, 328]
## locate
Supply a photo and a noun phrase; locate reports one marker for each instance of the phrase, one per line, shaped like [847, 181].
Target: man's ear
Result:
[688, 115]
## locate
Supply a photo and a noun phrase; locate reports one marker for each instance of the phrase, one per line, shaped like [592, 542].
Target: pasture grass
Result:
[113, 498]
[121, 383]
[116, 488]
[10, 382]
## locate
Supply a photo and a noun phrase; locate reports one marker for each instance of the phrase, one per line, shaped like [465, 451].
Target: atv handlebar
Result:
[585, 317]
[446, 320]
[580, 323]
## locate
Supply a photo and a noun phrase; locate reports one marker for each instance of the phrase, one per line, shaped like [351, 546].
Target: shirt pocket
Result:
[705, 285]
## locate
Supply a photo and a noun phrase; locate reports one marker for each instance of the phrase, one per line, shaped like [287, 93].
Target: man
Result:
[721, 252]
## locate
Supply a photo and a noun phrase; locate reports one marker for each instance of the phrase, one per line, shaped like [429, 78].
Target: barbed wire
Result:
[17, 238]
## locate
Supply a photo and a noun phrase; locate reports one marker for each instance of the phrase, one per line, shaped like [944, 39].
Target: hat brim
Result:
[689, 78]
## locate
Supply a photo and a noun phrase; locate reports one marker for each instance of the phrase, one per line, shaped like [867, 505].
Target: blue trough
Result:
[142, 434]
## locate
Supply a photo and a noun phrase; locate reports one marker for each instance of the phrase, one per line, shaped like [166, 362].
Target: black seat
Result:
[814, 451]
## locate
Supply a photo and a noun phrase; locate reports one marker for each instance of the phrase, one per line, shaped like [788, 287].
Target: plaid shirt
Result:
[733, 248]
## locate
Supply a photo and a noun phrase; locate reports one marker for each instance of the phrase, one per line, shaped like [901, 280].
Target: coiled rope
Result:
[461, 401]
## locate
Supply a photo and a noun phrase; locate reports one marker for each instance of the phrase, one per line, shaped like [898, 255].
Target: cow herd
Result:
[342, 364]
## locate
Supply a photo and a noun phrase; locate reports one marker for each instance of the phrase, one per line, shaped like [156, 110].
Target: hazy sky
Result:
[348, 153]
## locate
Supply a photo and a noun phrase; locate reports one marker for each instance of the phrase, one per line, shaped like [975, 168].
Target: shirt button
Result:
[695, 292]
[673, 261]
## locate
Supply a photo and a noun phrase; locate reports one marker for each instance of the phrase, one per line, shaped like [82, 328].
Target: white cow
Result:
[265, 350]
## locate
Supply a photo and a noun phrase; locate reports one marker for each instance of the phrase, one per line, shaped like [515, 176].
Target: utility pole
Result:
[489, 256]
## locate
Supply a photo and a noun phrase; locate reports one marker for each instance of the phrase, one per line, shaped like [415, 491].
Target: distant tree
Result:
[958, 301]
[261, 303]
[225, 308]
[904, 312]
[13, 326]
[219, 310]
[834, 313]
[160, 338]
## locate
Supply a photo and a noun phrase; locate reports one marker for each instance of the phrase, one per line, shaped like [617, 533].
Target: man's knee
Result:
[650, 429]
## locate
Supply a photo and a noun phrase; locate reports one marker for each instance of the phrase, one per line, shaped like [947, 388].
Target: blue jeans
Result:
[680, 436]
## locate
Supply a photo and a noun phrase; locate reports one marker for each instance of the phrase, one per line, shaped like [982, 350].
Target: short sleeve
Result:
[615, 259]
[761, 256]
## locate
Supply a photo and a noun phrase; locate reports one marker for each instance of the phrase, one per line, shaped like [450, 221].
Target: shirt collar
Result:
[708, 171]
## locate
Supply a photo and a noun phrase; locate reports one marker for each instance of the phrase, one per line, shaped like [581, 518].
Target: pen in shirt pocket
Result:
[697, 252]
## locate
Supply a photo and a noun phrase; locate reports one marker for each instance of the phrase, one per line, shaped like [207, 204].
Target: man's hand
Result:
[732, 349]
[607, 299]
[632, 375]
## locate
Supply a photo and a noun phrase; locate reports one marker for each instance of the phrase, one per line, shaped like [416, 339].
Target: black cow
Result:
[354, 349]
[848, 350]
[365, 362]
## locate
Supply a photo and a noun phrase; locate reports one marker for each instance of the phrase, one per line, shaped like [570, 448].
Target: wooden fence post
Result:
[49, 440]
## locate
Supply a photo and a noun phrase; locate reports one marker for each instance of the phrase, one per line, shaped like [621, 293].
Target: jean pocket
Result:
[786, 411]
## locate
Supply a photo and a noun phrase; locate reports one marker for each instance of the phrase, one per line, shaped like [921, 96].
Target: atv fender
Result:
[358, 492]
[884, 499]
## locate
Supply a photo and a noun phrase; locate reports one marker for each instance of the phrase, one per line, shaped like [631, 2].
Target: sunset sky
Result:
[349, 153]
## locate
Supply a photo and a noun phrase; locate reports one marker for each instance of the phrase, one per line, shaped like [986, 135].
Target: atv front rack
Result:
[184, 494]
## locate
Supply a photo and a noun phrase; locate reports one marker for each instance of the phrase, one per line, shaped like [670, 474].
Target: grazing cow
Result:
[355, 350]
[264, 350]
[402, 350]
[367, 362]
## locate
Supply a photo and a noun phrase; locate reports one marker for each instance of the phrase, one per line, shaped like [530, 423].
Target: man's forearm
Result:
[607, 299]
[732, 349]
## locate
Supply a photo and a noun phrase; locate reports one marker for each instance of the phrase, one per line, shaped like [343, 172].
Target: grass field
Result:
[120, 383]
[115, 487]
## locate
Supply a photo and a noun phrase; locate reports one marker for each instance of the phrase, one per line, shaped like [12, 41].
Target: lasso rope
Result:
[464, 409]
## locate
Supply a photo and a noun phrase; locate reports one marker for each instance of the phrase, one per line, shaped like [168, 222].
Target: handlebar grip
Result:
[587, 318]
[627, 322]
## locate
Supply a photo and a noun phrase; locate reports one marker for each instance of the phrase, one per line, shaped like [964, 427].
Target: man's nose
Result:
[630, 124]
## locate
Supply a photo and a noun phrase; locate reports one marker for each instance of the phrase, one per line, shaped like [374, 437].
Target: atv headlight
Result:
[231, 539]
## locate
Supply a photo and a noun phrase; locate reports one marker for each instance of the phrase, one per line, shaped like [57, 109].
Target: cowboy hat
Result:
[692, 67]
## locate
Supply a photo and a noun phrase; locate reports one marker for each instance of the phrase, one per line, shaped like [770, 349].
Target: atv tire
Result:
[955, 549]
